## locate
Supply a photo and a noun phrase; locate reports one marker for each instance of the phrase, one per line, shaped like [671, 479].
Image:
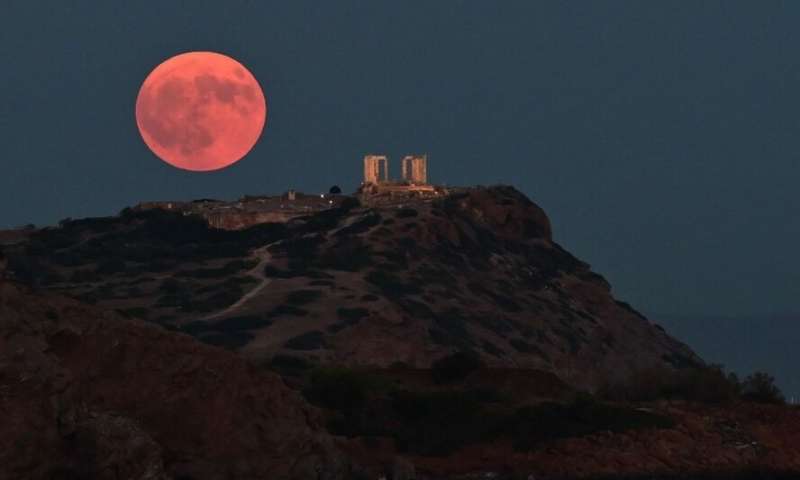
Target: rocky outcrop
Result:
[88, 395]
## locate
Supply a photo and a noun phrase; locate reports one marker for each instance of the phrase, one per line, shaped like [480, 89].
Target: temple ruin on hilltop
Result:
[414, 179]
[377, 189]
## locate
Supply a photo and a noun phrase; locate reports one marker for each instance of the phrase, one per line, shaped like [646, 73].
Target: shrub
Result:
[308, 341]
[455, 367]
[230, 268]
[289, 363]
[349, 203]
[110, 266]
[438, 423]
[83, 276]
[706, 385]
[348, 317]
[170, 285]
[352, 314]
[138, 312]
[50, 277]
[227, 340]
[454, 324]
[217, 301]
[406, 213]
[287, 310]
[531, 425]
[390, 285]
[361, 225]
[492, 349]
[196, 327]
[303, 297]
[760, 387]
[275, 272]
[336, 388]
[349, 254]
[244, 322]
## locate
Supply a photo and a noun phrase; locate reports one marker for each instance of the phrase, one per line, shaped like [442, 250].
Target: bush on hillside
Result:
[709, 384]
[760, 387]
[307, 341]
[455, 367]
[532, 425]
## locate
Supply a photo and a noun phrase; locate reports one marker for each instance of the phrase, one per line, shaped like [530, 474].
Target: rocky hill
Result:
[356, 284]
[446, 337]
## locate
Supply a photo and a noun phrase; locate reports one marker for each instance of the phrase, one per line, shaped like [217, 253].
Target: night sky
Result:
[660, 137]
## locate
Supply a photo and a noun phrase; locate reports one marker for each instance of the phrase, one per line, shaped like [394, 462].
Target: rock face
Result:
[88, 395]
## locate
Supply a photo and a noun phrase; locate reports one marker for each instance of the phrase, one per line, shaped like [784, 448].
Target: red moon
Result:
[200, 111]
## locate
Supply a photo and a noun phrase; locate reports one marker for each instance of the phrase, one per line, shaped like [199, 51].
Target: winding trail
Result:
[258, 271]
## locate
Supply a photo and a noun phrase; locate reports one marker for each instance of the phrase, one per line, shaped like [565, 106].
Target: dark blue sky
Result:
[660, 137]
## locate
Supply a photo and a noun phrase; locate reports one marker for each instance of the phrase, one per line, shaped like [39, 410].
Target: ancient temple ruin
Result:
[414, 180]
[415, 169]
[376, 169]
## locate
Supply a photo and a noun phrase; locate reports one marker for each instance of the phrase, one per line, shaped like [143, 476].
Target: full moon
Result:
[200, 111]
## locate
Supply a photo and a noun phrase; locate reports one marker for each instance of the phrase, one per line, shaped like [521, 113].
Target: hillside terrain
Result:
[86, 394]
[429, 338]
[361, 284]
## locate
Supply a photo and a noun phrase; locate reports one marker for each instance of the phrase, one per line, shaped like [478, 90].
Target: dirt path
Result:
[258, 271]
